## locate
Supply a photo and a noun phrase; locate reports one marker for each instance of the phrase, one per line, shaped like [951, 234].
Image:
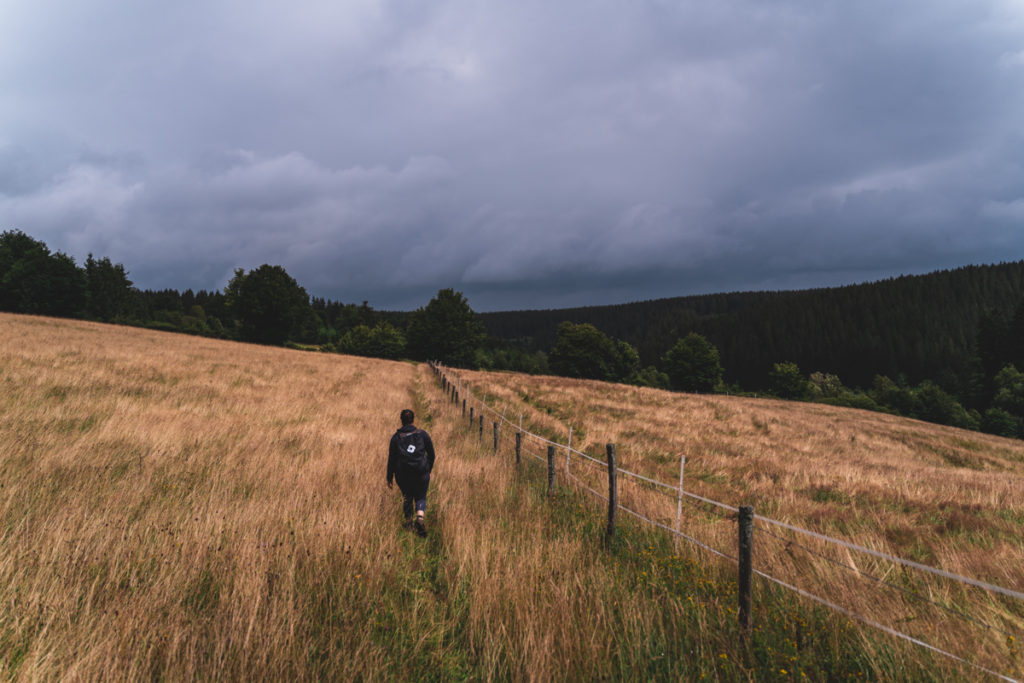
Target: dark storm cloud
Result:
[531, 154]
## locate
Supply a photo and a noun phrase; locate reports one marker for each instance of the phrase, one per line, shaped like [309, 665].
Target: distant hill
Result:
[920, 326]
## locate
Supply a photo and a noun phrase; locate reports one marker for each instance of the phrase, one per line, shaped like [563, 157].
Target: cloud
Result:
[285, 209]
[84, 201]
[1010, 210]
[383, 149]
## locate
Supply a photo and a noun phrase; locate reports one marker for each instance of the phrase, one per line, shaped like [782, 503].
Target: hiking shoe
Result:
[420, 528]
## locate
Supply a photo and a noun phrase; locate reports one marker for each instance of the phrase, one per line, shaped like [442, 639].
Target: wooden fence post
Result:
[463, 407]
[551, 470]
[495, 438]
[481, 425]
[470, 416]
[746, 541]
[613, 492]
[519, 449]
[679, 500]
[568, 451]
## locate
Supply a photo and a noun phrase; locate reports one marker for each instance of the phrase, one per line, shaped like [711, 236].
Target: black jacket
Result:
[394, 450]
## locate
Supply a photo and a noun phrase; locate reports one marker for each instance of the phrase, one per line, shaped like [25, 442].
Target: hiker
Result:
[410, 460]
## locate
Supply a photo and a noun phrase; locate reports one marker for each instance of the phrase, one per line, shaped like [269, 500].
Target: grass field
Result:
[940, 496]
[177, 507]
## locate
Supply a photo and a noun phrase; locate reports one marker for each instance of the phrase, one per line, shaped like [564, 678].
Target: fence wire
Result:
[852, 546]
[882, 627]
[882, 582]
[467, 395]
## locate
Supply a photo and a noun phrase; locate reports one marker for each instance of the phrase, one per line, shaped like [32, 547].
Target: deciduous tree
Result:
[380, 341]
[446, 329]
[269, 304]
[32, 280]
[582, 350]
[693, 364]
[785, 381]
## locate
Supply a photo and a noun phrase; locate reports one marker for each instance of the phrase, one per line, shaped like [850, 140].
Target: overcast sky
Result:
[532, 154]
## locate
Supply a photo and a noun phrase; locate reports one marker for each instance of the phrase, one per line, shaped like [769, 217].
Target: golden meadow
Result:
[178, 507]
[948, 498]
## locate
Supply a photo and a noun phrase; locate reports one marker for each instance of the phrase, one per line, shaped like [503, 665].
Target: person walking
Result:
[410, 460]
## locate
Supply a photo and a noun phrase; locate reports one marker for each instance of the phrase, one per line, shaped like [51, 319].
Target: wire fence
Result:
[581, 469]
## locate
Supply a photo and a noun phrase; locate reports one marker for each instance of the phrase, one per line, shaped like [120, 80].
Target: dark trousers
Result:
[413, 486]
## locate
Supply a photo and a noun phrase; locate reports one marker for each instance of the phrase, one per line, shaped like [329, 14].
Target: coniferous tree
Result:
[917, 326]
[1015, 337]
[66, 295]
[109, 288]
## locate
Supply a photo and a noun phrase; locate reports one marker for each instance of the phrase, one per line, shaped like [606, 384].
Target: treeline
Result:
[946, 347]
[987, 394]
[917, 327]
[265, 305]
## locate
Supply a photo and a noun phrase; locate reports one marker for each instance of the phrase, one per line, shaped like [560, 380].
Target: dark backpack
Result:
[412, 451]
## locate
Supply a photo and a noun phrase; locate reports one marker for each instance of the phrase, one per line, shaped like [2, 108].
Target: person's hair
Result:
[407, 417]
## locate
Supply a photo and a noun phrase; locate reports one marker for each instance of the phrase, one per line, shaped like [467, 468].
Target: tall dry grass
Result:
[176, 507]
[165, 500]
[945, 497]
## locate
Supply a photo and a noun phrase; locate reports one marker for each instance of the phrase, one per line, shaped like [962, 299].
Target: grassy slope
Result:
[937, 495]
[180, 507]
